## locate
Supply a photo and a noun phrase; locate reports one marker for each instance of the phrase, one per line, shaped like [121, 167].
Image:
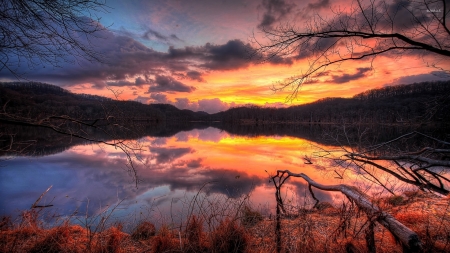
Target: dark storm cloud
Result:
[196, 163]
[274, 10]
[195, 75]
[344, 78]
[232, 55]
[231, 183]
[169, 84]
[120, 83]
[141, 81]
[165, 155]
[124, 58]
[315, 46]
[319, 4]
[404, 14]
[235, 54]
[229, 56]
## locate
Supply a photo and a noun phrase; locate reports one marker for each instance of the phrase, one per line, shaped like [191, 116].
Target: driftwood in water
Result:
[408, 238]
[35, 205]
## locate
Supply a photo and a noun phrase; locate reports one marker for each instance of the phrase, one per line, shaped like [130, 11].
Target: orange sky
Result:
[195, 54]
[253, 85]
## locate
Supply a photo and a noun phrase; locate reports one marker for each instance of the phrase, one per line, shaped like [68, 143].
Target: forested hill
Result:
[418, 102]
[427, 102]
[37, 100]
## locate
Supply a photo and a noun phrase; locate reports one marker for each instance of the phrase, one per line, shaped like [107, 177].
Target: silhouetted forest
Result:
[426, 102]
[37, 100]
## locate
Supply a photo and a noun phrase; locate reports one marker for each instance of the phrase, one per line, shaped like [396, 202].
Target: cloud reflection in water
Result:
[173, 168]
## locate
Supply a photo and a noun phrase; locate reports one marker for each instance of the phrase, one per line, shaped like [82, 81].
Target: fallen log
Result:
[408, 238]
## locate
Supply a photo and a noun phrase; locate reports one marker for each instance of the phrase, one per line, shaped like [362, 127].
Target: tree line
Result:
[425, 102]
[36, 100]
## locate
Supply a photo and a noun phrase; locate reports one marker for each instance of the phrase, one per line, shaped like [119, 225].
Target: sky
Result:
[195, 55]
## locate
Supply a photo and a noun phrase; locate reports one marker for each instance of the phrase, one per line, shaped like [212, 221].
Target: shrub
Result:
[144, 231]
[250, 217]
[412, 217]
[55, 241]
[229, 237]
[5, 223]
[323, 205]
[194, 235]
[114, 240]
[396, 200]
[164, 241]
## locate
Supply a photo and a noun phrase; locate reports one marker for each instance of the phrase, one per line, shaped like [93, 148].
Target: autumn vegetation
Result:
[325, 228]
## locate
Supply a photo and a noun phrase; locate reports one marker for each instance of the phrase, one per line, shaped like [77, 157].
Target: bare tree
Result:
[363, 30]
[38, 32]
[414, 158]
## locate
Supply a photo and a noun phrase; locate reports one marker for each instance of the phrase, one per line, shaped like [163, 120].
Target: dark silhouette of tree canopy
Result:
[362, 31]
[38, 32]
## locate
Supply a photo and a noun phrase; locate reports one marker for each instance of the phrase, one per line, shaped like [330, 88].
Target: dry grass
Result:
[326, 230]
[229, 237]
[144, 231]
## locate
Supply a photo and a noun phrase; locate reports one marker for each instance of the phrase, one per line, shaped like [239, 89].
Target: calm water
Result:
[91, 179]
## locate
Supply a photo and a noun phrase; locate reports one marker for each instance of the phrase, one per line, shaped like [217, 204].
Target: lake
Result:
[93, 179]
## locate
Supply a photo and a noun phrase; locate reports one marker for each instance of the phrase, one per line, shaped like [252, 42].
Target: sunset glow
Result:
[195, 55]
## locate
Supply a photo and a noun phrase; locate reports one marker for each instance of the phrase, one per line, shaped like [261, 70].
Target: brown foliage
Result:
[56, 240]
[229, 237]
[412, 217]
[144, 231]
[164, 241]
[196, 240]
[250, 217]
[5, 223]
[114, 240]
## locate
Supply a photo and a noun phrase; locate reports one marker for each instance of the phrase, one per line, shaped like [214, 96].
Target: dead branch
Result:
[39, 199]
[408, 238]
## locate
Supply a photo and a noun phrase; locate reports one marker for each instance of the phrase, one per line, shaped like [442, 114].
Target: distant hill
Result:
[37, 100]
[427, 102]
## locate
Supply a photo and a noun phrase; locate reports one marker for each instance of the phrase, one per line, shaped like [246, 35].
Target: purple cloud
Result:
[159, 98]
[169, 84]
[432, 76]
[207, 105]
[344, 78]
[275, 10]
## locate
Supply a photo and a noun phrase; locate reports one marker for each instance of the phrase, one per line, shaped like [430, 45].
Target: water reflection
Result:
[92, 178]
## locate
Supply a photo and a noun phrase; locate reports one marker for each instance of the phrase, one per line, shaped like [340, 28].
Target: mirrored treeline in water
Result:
[18, 140]
[176, 161]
